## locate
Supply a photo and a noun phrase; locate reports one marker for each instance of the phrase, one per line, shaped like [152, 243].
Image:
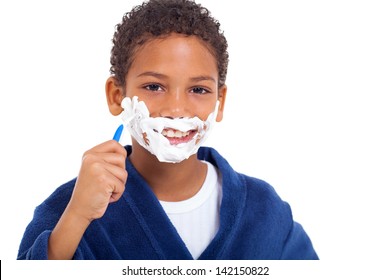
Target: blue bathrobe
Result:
[254, 223]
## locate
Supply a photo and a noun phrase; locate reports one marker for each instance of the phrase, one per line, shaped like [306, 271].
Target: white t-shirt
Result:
[197, 218]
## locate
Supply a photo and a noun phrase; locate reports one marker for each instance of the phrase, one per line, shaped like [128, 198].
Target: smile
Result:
[177, 137]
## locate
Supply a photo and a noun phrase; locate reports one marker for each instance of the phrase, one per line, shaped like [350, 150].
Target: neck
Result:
[169, 181]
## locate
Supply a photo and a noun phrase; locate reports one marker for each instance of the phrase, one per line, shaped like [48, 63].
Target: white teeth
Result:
[174, 133]
[178, 134]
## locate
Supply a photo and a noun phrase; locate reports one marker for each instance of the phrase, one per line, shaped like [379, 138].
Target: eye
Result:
[153, 87]
[199, 90]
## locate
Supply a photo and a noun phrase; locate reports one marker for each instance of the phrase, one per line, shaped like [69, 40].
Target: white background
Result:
[307, 108]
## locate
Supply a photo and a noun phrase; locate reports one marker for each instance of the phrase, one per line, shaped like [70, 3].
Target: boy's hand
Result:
[101, 180]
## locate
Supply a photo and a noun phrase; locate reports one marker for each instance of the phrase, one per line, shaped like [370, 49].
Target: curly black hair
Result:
[157, 18]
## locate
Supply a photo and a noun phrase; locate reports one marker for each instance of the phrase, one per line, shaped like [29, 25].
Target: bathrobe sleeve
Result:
[34, 244]
[298, 245]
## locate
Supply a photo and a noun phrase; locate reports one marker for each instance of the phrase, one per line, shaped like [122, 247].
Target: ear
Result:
[221, 98]
[114, 96]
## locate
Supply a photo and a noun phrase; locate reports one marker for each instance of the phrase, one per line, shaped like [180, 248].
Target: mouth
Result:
[176, 137]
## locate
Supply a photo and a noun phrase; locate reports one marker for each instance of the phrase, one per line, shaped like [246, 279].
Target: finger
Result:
[110, 146]
[115, 188]
[109, 158]
[115, 196]
[112, 158]
[117, 172]
[108, 184]
[94, 167]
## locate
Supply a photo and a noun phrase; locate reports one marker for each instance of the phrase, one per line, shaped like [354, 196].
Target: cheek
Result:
[205, 113]
[153, 106]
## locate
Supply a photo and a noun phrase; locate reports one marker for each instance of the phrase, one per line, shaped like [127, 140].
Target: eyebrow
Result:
[153, 74]
[203, 78]
[162, 76]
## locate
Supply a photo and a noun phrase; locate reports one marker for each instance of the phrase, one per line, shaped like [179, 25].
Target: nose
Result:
[175, 104]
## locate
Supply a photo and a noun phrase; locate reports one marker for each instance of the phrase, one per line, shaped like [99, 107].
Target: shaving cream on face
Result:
[148, 131]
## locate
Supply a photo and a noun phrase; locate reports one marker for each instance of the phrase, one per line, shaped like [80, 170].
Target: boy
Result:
[165, 197]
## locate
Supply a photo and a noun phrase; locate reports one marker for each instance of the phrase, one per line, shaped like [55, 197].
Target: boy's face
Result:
[176, 76]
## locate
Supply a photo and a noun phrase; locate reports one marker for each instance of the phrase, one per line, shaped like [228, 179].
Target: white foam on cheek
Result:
[147, 131]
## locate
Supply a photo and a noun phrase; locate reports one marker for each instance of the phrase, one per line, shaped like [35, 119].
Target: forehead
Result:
[175, 51]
